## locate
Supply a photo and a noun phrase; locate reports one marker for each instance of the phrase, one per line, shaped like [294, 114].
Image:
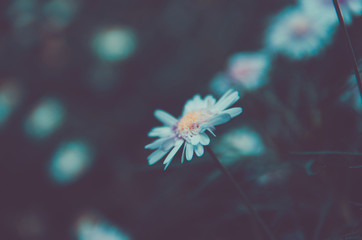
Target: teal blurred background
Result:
[79, 81]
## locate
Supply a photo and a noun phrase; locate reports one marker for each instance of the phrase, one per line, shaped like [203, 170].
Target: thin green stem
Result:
[242, 194]
[351, 51]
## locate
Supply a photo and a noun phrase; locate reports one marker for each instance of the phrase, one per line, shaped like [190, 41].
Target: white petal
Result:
[204, 139]
[155, 156]
[156, 144]
[210, 101]
[189, 151]
[210, 130]
[169, 143]
[233, 112]
[165, 117]
[193, 104]
[219, 119]
[195, 139]
[173, 152]
[199, 150]
[160, 132]
[228, 99]
[183, 154]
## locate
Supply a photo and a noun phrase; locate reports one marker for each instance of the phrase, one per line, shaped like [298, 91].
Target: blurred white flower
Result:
[70, 161]
[298, 33]
[60, 13]
[89, 229]
[239, 142]
[46, 118]
[114, 44]
[245, 71]
[325, 9]
[198, 116]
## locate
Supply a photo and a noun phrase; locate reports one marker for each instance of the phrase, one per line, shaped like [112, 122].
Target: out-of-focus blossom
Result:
[352, 96]
[45, 118]
[70, 161]
[60, 13]
[245, 72]
[198, 116]
[114, 44]
[10, 98]
[93, 229]
[239, 142]
[298, 33]
[325, 9]
[22, 12]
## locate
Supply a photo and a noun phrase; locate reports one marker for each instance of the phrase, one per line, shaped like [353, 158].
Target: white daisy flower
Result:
[246, 71]
[198, 116]
[326, 8]
[298, 33]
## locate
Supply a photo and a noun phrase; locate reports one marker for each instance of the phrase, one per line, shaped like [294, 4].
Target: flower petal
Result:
[233, 112]
[195, 139]
[165, 117]
[173, 152]
[183, 154]
[204, 139]
[210, 101]
[156, 156]
[156, 144]
[199, 150]
[219, 119]
[228, 99]
[193, 104]
[160, 132]
[169, 143]
[189, 151]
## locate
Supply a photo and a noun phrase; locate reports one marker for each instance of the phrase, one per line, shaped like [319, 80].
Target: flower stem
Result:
[241, 193]
[351, 51]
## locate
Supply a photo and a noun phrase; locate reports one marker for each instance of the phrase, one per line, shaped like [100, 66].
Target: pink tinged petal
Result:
[165, 118]
[160, 132]
[173, 152]
[199, 150]
[189, 151]
[195, 139]
[156, 156]
[219, 119]
[233, 112]
[204, 139]
[228, 99]
[156, 144]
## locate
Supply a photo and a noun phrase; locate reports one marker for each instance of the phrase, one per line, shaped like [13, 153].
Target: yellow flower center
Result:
[189, 121]
[189, 124]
